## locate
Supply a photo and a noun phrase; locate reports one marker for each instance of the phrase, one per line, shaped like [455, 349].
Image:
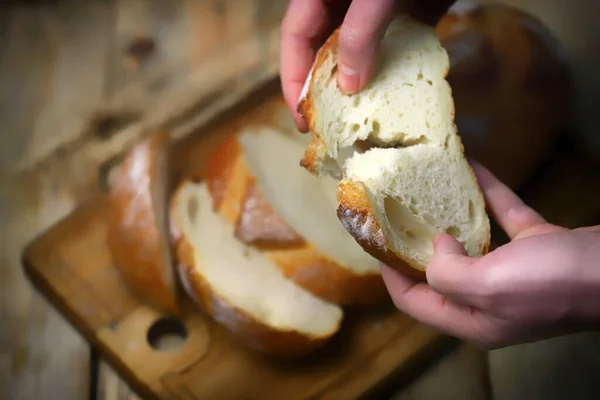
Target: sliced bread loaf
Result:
[280, 208]
[239, 286]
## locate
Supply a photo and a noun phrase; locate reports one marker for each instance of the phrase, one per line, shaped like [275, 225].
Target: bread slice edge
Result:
[303, 262]
[138, 232]
[293, 341]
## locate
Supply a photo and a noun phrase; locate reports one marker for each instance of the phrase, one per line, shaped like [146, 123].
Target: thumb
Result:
[444, 244]
[359, 39]
[450, 270]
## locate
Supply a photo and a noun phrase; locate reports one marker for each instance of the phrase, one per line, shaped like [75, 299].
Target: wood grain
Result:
[179, 85]
[52, 60]
[37, 348]
[111, 387]
[73, 100]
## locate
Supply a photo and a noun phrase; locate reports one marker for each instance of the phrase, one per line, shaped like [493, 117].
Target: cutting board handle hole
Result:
[167, 334]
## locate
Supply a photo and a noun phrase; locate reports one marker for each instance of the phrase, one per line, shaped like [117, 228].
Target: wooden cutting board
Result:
[72, 266]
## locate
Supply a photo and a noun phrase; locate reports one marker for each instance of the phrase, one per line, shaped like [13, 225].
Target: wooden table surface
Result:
[80, 81]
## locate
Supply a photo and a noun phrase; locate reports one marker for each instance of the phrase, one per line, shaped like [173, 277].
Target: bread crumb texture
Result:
[397, 138]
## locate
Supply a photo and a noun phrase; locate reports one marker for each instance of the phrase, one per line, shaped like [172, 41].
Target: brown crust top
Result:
[509, 58]
[134, 235]
[299, 260]
[246, 328]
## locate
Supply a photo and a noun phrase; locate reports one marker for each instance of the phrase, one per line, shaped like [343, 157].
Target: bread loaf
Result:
[275, 205]
[511, 83]
[138, 225]
[412, 180]
[239, 286]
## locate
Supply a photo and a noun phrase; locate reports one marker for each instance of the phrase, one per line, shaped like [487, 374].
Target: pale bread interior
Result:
[245, 277]
[419, 191]
[306, 203]
[407, 102]
[418, 182]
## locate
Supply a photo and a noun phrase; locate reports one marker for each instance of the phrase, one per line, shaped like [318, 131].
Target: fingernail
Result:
[348, 79]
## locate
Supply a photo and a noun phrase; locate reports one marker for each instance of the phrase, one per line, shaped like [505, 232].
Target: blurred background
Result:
[80, 81]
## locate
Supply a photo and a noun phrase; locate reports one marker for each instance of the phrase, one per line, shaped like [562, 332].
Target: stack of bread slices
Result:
[256, 240]
[274, 252]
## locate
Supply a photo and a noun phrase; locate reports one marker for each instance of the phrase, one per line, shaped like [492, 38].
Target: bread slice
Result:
[138, 235]
[412, 180]
[290, 214]
[240, 287]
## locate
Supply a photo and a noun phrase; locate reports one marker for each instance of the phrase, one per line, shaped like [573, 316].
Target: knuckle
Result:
[487, 291]
[435, 269]
[439, 280]
[484, 298]
[487, 338]
[352, 39]
[440, 277]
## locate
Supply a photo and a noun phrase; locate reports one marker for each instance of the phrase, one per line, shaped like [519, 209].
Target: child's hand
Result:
[545, 282]
[308, 22]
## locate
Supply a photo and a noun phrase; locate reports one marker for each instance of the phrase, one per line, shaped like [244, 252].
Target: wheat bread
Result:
[239, 286]
[257, 185]
[138, 235]
[412, 180]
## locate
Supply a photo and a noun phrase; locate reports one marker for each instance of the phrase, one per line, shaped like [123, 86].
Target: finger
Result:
[507, 209]
[304, 23]
[451, 272]
[421, 302]
[360, 35]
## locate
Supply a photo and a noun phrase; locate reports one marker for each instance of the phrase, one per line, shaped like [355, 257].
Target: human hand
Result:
[363, 24]
[544, 283]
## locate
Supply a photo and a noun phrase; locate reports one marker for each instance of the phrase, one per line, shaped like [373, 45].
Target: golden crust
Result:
[134, 237]
[246, 328]
[316, 147]
[357, 215]
[311, 155]
[310, 269]
[258, 224]
[299, 260]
